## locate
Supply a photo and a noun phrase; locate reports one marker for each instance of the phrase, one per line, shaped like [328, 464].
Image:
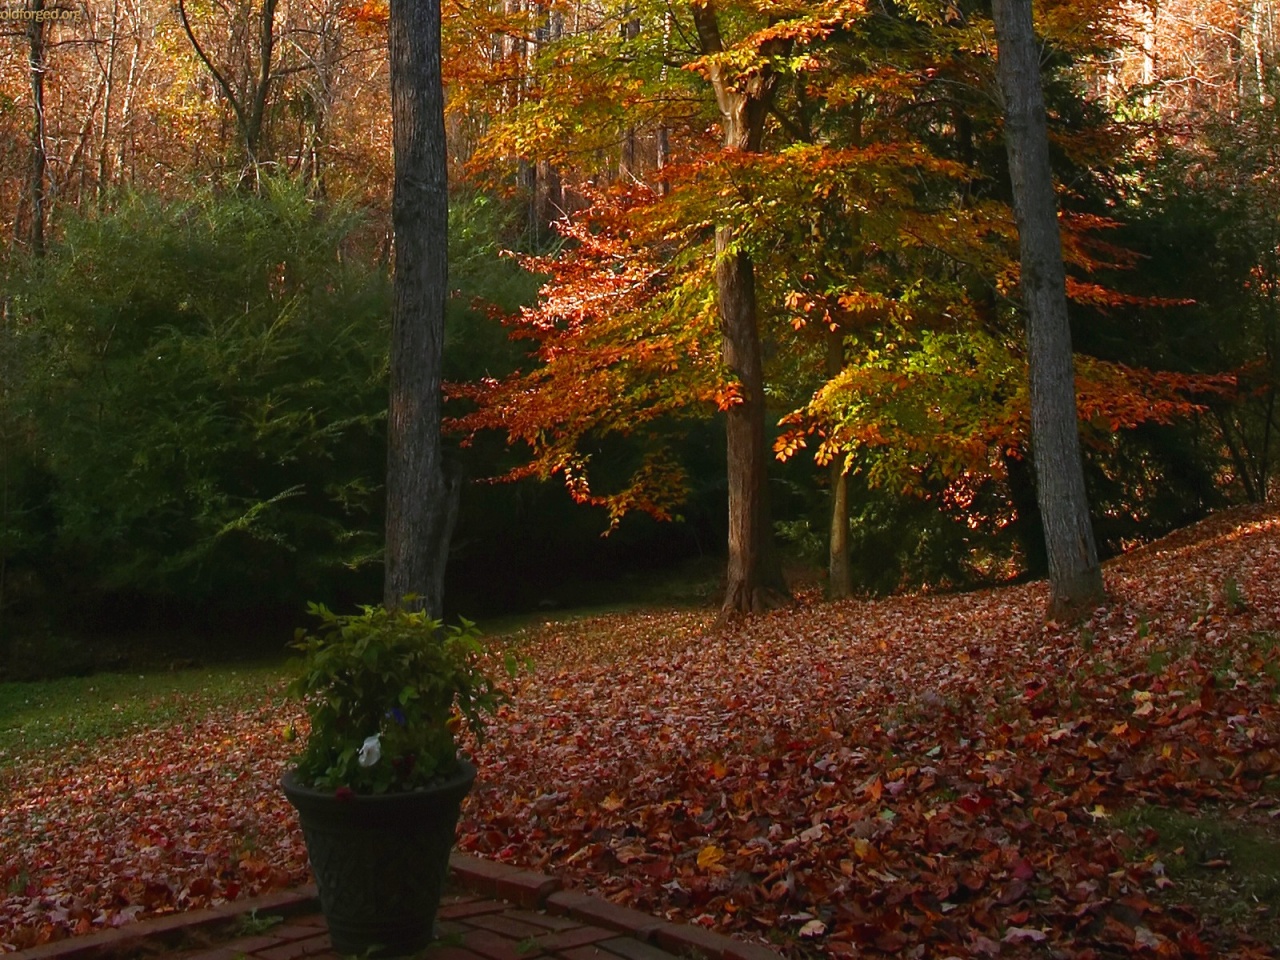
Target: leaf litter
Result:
[922, 776]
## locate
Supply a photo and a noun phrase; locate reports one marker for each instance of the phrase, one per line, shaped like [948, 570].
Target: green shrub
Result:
[384, 691]
[208, 416]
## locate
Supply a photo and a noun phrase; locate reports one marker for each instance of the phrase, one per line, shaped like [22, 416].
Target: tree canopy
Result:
[788, 229]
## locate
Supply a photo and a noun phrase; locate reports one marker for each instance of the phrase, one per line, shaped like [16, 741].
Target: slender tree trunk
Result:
[125, 137]
[839, 567]
[38, 174]
[629, 161]
[664, 135]
[421, 502]
[104, 129]
[839, 570]
[262, 86]
[755, 581]
[664, 158]
[1075, 579]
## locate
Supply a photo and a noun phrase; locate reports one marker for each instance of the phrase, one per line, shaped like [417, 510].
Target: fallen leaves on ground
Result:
[154, 822]
[924, 776]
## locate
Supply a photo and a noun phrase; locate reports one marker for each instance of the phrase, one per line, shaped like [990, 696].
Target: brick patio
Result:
[495, 912]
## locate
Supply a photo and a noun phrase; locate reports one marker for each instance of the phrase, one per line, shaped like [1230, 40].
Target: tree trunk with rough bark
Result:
[421, 499]
[1075, 579]
[755, 581]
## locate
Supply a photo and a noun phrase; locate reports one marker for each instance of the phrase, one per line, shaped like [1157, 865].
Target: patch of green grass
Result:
[1227, 867]
[691, 585]
[1232, 597]
[252, 924]
[46, 715]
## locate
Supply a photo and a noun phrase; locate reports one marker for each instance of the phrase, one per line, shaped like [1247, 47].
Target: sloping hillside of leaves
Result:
[924, 776]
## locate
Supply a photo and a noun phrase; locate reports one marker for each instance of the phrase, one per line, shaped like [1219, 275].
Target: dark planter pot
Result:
[380, 862]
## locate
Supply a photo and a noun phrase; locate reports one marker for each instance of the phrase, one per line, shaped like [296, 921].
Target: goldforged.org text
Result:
[25, 14]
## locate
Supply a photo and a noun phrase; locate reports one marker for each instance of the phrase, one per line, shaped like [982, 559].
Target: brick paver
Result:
[495, 912]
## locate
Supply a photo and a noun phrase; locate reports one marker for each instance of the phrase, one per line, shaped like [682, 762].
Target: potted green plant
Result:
[379, 783]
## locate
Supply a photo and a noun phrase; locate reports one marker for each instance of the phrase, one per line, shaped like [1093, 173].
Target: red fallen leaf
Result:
[1137, 902]
[874, 789]
[945, 888]
[927, 904]
[199, 887]
[1022, 870]
[973, 880]
[1191, 943]
[656, 870]
[1013, 891]
[974, 802]
[1208, 693]
[1116, 931]
[891, 941]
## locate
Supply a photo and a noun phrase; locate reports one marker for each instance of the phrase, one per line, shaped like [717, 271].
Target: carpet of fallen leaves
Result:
[924, 776]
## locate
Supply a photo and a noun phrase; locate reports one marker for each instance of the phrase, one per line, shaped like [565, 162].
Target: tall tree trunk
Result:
[1075, 579]
[755, 581]
[421, 502]
[38, 173]
[839, 570]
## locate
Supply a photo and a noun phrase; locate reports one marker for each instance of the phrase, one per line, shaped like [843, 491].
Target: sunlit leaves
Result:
[626, 342]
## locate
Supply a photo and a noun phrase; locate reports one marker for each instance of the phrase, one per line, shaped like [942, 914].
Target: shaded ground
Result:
[919, 776]
[1224, 860]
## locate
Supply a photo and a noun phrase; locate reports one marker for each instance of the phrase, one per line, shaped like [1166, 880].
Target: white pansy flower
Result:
[370, 751]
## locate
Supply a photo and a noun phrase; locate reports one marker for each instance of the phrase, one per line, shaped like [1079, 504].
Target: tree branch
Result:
[214, 72]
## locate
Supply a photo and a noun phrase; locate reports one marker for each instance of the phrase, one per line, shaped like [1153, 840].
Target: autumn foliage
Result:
[926, 775]
[941, 775]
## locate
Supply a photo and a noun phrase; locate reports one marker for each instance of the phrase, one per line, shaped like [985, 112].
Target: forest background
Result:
[196, 297]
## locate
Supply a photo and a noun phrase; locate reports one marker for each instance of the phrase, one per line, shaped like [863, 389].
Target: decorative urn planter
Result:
[380, 781]
[380, 862]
